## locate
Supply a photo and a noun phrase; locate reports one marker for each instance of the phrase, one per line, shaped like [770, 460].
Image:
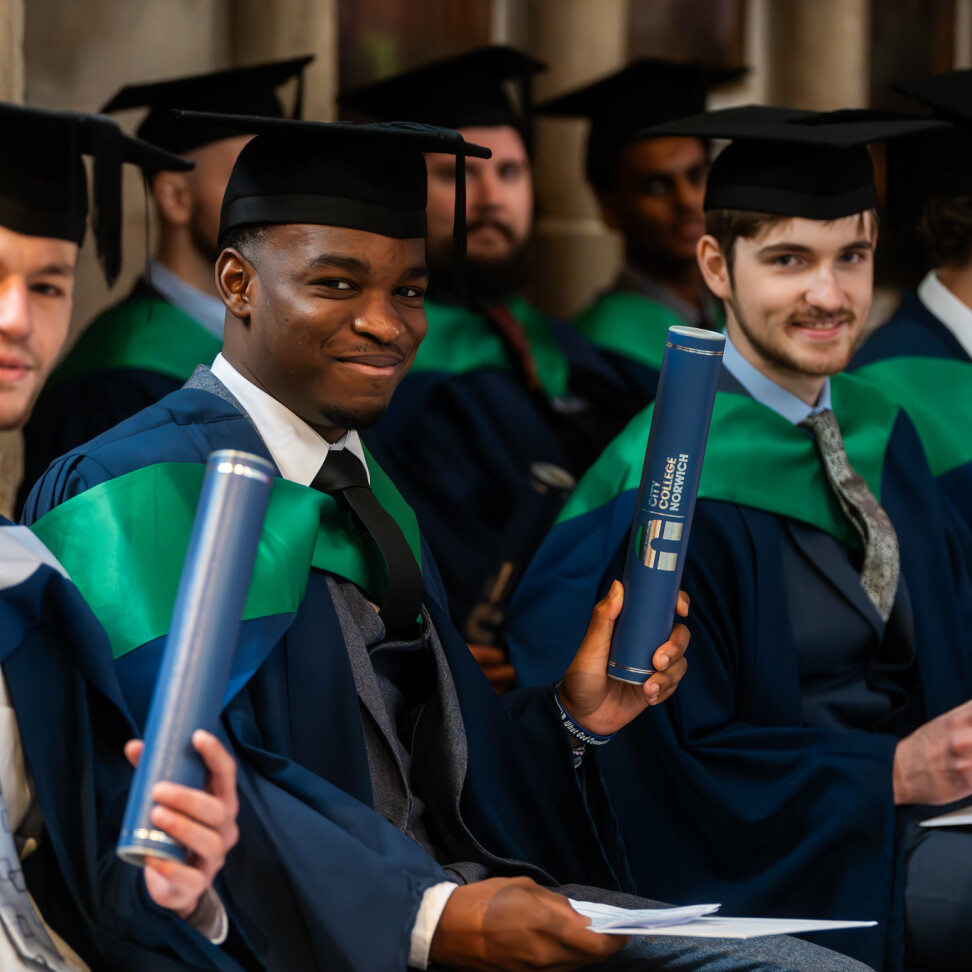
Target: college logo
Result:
[653, 531]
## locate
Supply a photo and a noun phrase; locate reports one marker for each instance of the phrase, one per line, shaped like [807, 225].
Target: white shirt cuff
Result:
[430, 911]
[210, 918]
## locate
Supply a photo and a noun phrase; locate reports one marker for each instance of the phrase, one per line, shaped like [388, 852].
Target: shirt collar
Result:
[206, 310]
[297, 449]
[951, 311]
[767, 392]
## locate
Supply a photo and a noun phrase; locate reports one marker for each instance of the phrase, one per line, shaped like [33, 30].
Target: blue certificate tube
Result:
[202, 640]
[666, 499]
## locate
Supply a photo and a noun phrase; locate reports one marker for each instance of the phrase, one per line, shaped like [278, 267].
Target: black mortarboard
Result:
[367, 177]
[795, 163]
[948, 171]
[245, 90]
[468, 90]
[645, 93]
[43, 184]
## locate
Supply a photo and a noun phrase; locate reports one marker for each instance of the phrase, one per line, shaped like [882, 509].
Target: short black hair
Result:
[244, 239]
[947, 223]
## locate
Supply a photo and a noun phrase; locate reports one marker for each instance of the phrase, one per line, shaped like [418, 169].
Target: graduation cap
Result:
[370, 177]
[949, 172]
[246, 90]
[795, 163]
[43, 184]
[465, 91]
[647, 92]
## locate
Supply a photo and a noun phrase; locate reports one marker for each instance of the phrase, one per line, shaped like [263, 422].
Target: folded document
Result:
[697, 921]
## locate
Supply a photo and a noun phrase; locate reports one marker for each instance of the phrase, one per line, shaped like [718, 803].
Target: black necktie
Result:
[879, 573]
[343, 476]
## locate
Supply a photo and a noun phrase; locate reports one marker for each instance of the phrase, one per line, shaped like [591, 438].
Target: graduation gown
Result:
[463, 430]
[73, 725]
[133, 354]
[319, 880]
[765, 782]
[913, 331]
[915, 360]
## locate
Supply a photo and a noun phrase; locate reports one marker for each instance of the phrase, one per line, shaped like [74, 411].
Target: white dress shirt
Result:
[299, 453]
[952, 312]
[206, 310]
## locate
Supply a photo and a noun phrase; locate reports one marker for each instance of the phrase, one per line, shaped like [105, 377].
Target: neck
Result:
[176, 252]
[958, 279]
[682, 277]
[328, 433]
[805, 387]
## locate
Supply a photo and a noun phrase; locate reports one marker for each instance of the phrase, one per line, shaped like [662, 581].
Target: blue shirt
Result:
[767, 392]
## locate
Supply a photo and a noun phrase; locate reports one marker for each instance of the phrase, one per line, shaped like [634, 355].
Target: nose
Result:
[15, 320]
[380, 320]
[689, 195]
[825, 292]
[483, 191]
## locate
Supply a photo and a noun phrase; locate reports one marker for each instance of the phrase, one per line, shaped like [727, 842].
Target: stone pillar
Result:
[817, 54]
[289, 28]
[11, 89]
[575, 254]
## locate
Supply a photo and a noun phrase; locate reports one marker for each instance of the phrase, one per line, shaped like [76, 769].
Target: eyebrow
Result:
[55, 269]
[337, 260]
[774, 248]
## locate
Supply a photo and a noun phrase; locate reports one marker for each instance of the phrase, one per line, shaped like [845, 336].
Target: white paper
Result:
[957, 818]
[696, 921]
[606, 917]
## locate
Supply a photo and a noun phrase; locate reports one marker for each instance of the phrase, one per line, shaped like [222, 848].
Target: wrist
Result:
[576, 731]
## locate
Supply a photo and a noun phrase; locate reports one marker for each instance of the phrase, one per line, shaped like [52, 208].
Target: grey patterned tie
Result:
[18, 915]
[879, 573]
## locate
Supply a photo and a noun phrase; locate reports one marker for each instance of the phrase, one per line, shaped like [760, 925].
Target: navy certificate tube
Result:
[202, 640]
[666, 500]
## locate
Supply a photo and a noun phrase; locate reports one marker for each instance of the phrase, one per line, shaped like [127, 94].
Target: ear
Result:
[236, 282]
[714, 267]
[173, 197]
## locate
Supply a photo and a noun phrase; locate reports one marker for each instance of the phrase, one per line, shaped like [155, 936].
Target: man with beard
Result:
[832, 650]
[512, 405]
[65, 733]
[650, 190]
[147, 345]
[393, 811]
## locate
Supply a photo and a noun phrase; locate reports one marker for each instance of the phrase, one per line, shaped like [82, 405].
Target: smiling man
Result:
[832, 662]
[394, 812]
[650, 190]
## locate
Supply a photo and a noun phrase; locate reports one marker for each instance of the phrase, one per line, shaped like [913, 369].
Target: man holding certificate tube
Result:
[394, 812]
[64, 773]
[832, 663]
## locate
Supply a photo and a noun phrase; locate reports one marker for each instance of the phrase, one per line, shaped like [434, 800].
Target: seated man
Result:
[650, 190]
[394, 811]
[920, 357]
[146, 345]
[831, 677]
[512, 404]
[63, 775]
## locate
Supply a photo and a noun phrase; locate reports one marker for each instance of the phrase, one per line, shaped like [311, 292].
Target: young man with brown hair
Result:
[832, 661]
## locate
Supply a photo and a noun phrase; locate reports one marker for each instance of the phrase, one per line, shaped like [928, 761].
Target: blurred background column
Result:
[262, 31]
[575, 255]
[11, 89]
[818, 53]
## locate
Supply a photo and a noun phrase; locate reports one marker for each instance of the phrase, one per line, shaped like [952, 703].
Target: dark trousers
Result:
[938, 899]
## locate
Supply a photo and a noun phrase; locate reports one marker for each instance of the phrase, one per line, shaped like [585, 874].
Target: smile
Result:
[12, 370]
[373, 365]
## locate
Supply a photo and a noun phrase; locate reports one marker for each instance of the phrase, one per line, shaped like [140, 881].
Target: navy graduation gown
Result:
[912, 331]
[319, 880]
[728, 792]
[73, 724]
